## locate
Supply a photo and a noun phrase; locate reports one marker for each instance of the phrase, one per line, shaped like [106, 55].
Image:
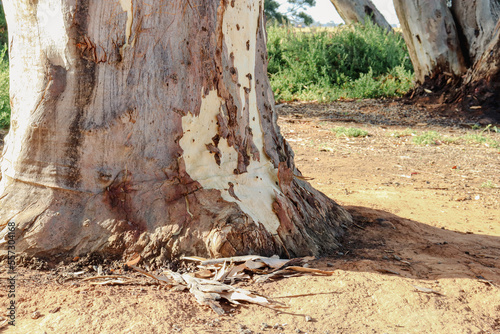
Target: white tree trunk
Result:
[431, 36]
[354, 11]
[476, 21]
[461, 41]
[149, 127]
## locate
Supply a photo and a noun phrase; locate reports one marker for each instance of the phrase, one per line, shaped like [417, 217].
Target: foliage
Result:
[294, 13]
[359, 61]
[272, 14]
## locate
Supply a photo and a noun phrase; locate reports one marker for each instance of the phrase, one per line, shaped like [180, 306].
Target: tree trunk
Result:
[149, 127]
[431, 36]
[454, 50]
[353, 11]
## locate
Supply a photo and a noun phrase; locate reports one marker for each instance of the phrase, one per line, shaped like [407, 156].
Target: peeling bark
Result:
[149, 127]
[354, 11]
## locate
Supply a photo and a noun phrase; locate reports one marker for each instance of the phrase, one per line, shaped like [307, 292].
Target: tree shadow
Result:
[389, 112]
[382, 242]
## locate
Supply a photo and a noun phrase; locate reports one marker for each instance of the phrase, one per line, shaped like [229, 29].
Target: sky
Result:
[325, 12]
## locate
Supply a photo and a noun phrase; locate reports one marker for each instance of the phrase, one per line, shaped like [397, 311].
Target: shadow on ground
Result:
[382, 242]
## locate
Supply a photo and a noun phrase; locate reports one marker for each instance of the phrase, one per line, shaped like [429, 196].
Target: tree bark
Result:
[431, 36]
[476, 21]
[149, 127]
[454, 50]
[354, 11]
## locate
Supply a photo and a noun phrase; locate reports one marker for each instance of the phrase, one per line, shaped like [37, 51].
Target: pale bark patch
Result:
[253, 190]
[127, 6]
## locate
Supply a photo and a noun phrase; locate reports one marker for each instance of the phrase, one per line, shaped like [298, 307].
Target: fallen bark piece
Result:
[134, 261]
[105, 277]
[113, 282]
[109, 280]
[388, 271]
[208, 292]
[237, 267]
[427, 290]
[310, 270]
[208, 285]
[161, 279]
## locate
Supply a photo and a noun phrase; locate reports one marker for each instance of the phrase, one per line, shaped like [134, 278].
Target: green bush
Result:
[359, 61]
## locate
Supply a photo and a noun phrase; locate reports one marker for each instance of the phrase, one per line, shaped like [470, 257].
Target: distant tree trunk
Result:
[149, 127]
[454, 49]
[431, 36]
[353, 11]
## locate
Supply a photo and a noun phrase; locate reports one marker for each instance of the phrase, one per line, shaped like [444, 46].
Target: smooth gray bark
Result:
[431, 36]
[460, 41]
[354, 11]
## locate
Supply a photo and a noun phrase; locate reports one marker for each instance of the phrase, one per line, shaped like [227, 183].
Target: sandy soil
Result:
[422, 257]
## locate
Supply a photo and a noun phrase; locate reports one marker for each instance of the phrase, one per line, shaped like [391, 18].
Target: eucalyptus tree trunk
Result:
[353, 11]
[431, 36]
[453, 46]
[149, 127]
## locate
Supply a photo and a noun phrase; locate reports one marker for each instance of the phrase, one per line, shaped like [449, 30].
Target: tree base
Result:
[63, 223]
[476, 100]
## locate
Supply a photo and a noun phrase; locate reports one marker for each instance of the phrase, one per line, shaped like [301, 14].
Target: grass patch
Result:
[405, 133]
[480, 138]
[489, 184]
[358, 61]
[435, 138]
[428, 138]
[350, 132]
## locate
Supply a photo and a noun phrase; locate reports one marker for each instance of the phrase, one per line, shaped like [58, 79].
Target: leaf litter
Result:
[213, 279]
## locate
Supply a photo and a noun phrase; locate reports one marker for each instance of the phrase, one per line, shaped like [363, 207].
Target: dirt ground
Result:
[422, 257]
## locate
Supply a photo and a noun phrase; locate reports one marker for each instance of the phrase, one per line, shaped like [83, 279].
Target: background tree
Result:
[271, 8]
[149, 127]
[357, 11]
[294, 12]
[454, 48]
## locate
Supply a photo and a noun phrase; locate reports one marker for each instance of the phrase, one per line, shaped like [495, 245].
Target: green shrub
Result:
[349, 132]
[360, 61]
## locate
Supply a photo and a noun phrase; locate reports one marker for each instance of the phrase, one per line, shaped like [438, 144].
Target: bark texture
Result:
[353, 11]
[454, 50]
[149, 127]
[431, 36]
